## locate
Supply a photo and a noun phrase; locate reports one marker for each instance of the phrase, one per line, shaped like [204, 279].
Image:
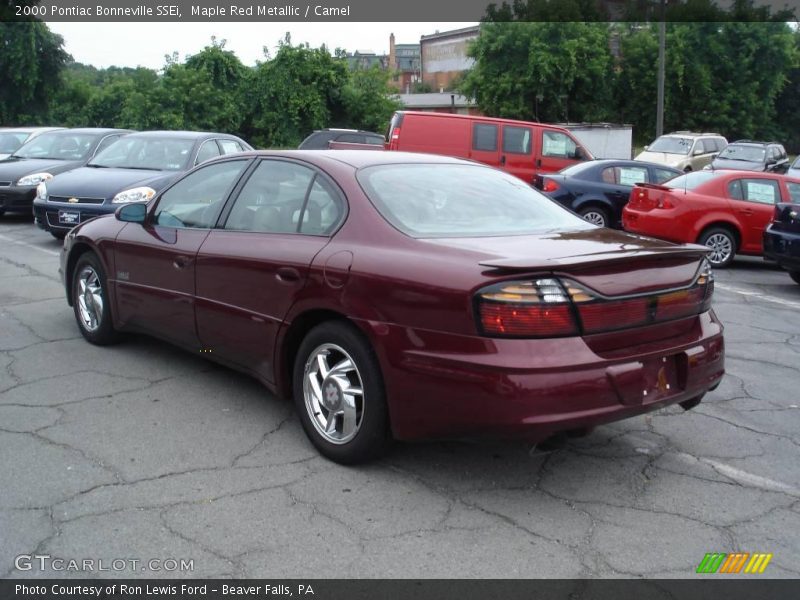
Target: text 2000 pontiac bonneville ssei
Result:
[402, 296]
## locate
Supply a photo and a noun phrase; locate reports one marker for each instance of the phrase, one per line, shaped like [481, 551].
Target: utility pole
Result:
[661, 60]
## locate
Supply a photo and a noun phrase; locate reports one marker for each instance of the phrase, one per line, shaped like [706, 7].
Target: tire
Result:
[795, 275]
[595, 215]
[90, 297]
[723, 244]
[687, 170]
[59, 235]
[353, 435]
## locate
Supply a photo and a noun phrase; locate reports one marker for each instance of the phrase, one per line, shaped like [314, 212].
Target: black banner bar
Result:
[742, 587]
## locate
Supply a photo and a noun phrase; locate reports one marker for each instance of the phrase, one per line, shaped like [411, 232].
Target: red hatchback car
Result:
[402, 296]
[727, 211]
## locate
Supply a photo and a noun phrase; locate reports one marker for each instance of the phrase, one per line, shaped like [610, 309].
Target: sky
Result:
[146, 44]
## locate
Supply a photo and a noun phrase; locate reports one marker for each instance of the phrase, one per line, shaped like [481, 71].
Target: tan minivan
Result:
[684, 150]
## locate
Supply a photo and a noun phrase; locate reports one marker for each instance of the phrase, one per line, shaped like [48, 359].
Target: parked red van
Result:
[518, 147]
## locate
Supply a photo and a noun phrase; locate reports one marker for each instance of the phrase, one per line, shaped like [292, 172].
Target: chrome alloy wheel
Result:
[89, 296]
[334, 393]
[721, 248]
[595, 218]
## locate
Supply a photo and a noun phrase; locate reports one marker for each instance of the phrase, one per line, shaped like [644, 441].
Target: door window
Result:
[662, 175]
[284, 197]
[230, 146]
[760, 191]
[207, 151]
[197, 200]
[555, 143]
[484, 137]
[106, 142]
[516, 140]
[624, 175]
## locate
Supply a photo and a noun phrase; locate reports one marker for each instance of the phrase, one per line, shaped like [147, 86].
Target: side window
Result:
[555, 143]
[197, 200]
[106, 142]
[484, 137]
[272, 199]
[323, 210]
[517, 140]
[735, 190]
[662, 175]
[207, 151]
[761, 191]
[794, 192]
[699, 148]
[230, 146]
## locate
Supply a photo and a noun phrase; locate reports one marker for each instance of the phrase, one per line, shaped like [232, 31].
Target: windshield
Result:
[152, 153]
[441, 200]
[689, 181]
[10, 142]
[748, 153]
[671, 145]
[60, 145]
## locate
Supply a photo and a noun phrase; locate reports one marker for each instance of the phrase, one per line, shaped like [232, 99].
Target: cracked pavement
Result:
[144, 451]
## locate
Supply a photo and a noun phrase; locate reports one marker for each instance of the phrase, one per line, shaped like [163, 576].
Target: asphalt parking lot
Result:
[142, 452]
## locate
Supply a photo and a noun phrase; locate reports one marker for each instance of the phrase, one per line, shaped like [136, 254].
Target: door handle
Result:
[503, 160]
[538, 162]
[181, 262]
[288, 274]
[745, 211]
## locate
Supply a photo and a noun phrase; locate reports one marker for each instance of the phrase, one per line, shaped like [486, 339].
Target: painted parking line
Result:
[11, 240]
[757, 295]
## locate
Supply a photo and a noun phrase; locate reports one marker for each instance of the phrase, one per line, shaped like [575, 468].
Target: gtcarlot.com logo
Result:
[738, 562]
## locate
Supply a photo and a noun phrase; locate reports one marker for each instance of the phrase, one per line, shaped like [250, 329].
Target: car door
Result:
[155, 261]
[517, 155]
[617, 183]
[753, 201]
[250, 269]
[556, 151]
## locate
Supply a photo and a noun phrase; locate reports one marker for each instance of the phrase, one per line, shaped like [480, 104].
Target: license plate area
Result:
[647, 381]
[69, 217]
[659, 379]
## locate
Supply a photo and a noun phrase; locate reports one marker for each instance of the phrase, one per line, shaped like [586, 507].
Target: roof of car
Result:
[358, 158]
[28, 129]
[184, 135]
[693, 134]
[754, 143]
[626, 162]
[90, 130]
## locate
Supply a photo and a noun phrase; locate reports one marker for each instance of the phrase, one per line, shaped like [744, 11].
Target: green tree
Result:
[542, 71]
[367, 101]
[31, 59]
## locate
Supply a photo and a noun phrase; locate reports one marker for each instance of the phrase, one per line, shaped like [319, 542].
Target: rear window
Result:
[690, 181]
[432, 201]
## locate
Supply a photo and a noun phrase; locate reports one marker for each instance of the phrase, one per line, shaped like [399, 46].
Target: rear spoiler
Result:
[549, 264]
[653, 186]
[353, 146]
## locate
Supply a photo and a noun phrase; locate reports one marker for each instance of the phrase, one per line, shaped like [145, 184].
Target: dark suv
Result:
[319, 139]
[747, 155]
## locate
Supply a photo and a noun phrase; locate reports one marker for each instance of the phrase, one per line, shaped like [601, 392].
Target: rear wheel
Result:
[90, 301]
[795, 275]
[595, 215]
[339, 394]
[722, 243]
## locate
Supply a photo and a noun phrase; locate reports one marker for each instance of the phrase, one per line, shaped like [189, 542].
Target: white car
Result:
[684, 150]
[11, 138]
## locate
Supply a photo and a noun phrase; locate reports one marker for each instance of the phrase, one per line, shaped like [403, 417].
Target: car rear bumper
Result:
[50, 215]
[16, 198]
[655, 223]
[783, 247]
[441, 385]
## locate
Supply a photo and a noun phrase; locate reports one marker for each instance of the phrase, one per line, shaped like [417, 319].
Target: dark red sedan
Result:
[402, 296]
[727, 211]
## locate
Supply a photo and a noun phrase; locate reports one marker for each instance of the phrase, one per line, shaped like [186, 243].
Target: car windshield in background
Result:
[157, 154]
[437, 200]
[58, 146]
[748, 153]
[10, 142]
[689, 181]
[671, 145]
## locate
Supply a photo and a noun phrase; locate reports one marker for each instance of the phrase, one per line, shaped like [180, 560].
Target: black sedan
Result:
[46, 156]
[747, 155]
[782, 237]
[133, 170]
[598, 190]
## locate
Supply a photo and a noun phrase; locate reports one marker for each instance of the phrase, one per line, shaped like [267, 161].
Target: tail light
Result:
[550, 186]
[556, 307]
[665, 201]
[644, 199]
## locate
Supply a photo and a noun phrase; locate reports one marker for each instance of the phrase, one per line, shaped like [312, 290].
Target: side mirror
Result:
[132, 213]
[645, 148]
[579, 153]
[715, 155]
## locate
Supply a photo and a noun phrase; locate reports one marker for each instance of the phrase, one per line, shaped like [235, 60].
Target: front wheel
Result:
[722, 244]
[595, 215]
[90, 301]
[795, 275]
[339, 394]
